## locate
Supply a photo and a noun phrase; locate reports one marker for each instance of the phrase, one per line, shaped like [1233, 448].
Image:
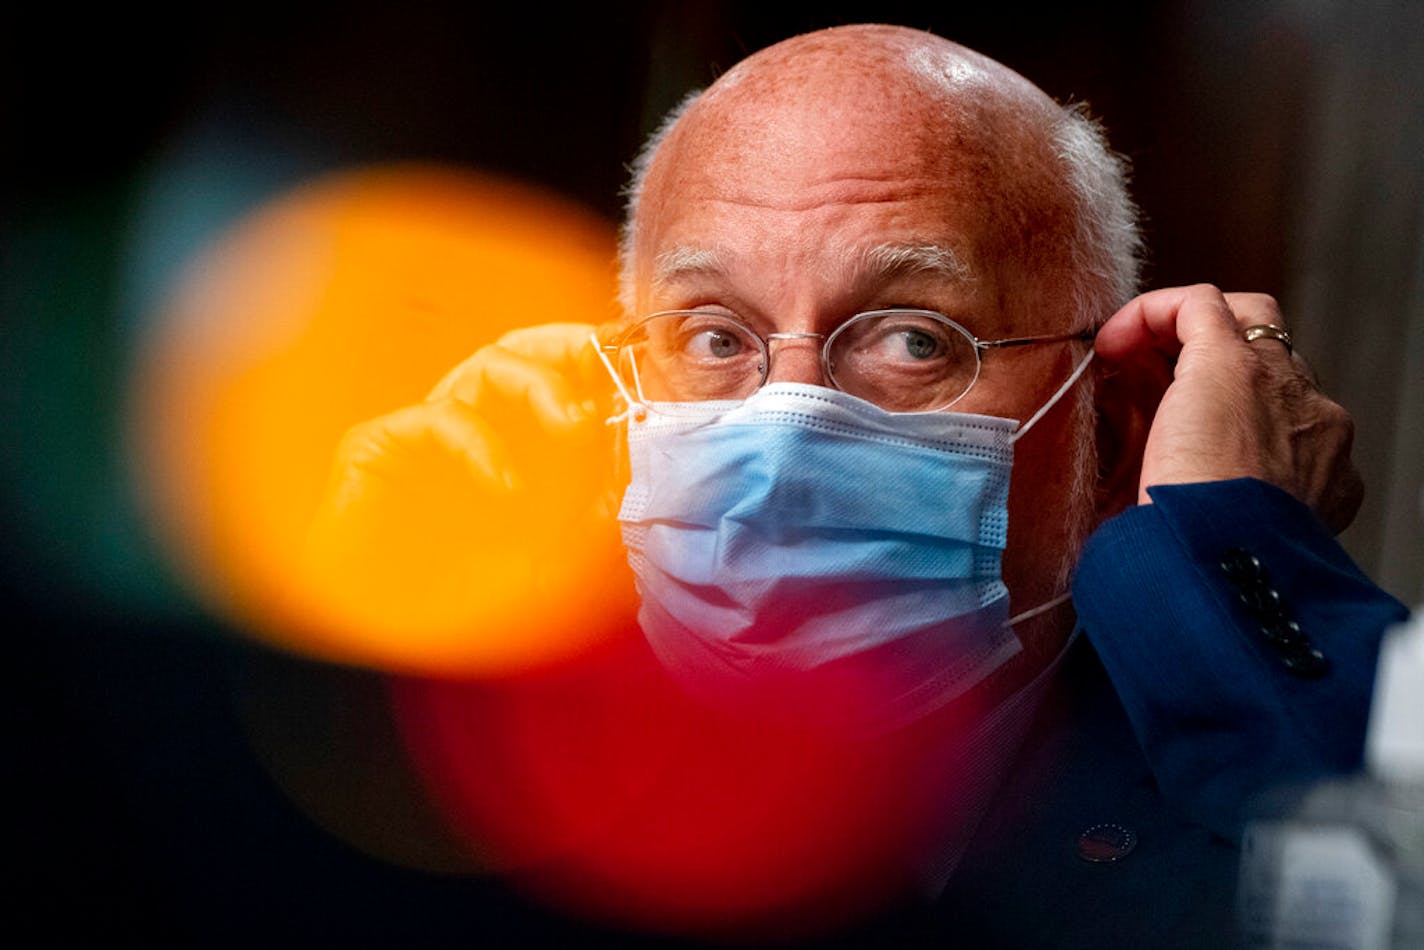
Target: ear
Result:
[1126, 400]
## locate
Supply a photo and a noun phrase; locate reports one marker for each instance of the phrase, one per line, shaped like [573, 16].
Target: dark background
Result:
[1277, 147]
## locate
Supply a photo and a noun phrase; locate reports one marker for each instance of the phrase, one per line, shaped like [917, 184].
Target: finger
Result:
[1254, 310]
[1167, 321]
[565, 348]
[1262, 309]
[562, 347]
[557, 344]
[449, 428]
[495, 379]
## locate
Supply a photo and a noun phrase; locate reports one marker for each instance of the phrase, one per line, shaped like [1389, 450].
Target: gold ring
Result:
[1268, 331]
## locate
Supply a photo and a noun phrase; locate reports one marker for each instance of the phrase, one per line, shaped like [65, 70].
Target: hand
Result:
[1234, 409]
[478, 528]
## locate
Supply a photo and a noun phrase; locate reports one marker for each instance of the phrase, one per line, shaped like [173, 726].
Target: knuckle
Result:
[464, 377]
[544, 336]
[358, 442]
[1293, 385]
[1331, 412]
[1339, 415]
[1344, 424]
[481, 358]
[1285, 377]
[1256, 301]
[515, 339]
[360, 433]
[1208, 295]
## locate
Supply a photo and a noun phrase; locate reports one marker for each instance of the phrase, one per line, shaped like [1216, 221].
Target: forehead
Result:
[812, 139]
[827, 158]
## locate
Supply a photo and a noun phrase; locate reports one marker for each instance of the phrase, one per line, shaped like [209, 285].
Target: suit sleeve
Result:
[1240, 638]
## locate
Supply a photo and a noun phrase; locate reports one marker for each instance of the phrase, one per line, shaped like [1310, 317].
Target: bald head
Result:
[893, 104]
[885, 70]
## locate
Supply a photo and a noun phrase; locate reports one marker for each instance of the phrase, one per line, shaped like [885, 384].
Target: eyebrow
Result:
[894, 259]
[879, 262]
[681, 262]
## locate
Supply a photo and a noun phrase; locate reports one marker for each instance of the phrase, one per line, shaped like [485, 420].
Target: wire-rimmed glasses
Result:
[902, 360]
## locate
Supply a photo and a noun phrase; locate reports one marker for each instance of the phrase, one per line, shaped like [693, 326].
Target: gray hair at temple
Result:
[1107, 246]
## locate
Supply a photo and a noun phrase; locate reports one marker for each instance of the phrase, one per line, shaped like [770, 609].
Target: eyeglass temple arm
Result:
[1026, 340]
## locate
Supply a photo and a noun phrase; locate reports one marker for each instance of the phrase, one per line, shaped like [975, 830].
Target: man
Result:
[860, 172]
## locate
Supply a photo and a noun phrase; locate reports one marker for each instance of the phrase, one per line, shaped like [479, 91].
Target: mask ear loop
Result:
[1073, 377]
[1044, 607]
[635, 408]
[1052, 400]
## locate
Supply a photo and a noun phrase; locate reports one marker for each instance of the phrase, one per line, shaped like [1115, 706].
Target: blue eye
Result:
[713, 339]
[902, 339]
[718, 343]
[920, 345]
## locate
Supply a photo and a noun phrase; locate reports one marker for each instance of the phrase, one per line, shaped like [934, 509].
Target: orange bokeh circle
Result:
[343, 299]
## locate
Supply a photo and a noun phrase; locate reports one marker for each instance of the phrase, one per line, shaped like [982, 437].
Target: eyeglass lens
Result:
[901, 360]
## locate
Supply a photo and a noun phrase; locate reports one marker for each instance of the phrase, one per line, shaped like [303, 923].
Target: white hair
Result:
[633, 193]
[1107, 240]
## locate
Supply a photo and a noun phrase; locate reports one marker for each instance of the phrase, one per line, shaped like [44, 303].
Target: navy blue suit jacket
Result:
[1230, 652]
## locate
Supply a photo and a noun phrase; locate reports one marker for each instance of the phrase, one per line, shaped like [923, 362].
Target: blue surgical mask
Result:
[806, 535]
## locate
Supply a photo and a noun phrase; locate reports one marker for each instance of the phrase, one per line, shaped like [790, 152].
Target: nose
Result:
[796, 358]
